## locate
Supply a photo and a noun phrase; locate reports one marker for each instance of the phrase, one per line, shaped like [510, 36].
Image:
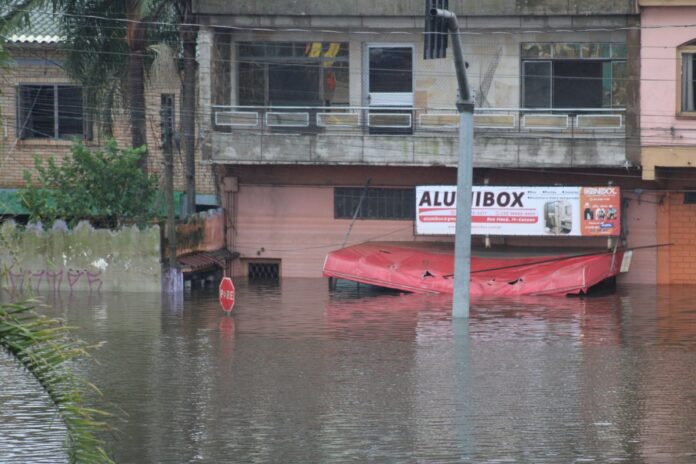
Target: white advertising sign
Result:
[560, 211]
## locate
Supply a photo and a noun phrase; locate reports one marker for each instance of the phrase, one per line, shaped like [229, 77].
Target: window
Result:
[573, 75]
[50, 111]
[167, 121]
[379, 203]
[293, 73]
[687, 56]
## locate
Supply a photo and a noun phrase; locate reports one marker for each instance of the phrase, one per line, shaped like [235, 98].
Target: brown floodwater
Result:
[300, 373]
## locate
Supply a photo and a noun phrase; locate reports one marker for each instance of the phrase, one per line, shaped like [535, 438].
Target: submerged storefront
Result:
[283, 220]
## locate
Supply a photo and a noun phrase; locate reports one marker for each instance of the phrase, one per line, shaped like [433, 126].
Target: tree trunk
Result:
[188, 116]
[136, 101]
[136, 37]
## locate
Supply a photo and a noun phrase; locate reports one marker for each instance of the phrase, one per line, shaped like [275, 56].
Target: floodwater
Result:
[302, 374]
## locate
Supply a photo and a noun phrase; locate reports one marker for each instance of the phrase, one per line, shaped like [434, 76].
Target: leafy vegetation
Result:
[109, 48]
[106, 187]
[45, 347]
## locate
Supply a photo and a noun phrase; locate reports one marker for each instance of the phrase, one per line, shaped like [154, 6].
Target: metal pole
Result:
[465, 105]
[168, 132]
[462, 241]
[356, 212]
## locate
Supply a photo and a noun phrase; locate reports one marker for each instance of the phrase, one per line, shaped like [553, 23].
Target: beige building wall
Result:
[42, 65]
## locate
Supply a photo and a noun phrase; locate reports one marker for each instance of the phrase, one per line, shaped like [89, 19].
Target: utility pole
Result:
[439, 21]
[189, 35]
[167, 120]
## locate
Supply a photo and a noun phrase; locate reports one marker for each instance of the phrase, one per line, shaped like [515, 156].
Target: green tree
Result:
[106, 187]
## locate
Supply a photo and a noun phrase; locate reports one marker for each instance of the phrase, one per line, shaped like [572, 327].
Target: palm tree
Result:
[140, 15]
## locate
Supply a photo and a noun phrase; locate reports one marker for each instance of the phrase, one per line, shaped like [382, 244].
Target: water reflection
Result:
[299, 373]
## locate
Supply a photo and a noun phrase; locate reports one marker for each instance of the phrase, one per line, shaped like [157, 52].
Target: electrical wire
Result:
[512, 77]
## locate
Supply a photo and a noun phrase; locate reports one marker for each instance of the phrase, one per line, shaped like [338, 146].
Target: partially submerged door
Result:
[390, 88]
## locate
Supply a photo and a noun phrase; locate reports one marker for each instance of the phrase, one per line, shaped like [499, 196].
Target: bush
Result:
[106, 187]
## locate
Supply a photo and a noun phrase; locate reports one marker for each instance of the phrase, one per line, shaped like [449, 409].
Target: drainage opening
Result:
[264, 271]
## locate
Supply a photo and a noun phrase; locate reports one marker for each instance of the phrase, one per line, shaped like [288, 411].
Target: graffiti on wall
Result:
[45, 279]
[57, 259]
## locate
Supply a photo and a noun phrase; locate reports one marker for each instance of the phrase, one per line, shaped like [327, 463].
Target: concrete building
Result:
[668, 130]
[43, 110]
[308, 103]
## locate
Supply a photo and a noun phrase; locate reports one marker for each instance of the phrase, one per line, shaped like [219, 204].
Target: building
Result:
[43, 110]
[308, 104]
[668, 130]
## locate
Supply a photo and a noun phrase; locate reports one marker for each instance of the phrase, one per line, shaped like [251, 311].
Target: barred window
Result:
[379, 203]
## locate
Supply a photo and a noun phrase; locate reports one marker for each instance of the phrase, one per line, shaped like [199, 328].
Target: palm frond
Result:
[45, 347]
[16, 13]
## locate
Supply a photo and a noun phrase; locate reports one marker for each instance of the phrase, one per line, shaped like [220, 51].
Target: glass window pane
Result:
[537, 84]
[536, 50]
[566, 50]
[252, 84]
[607, 84]
[618, 50]
[70, 112]
[619, 80]
[37, 111]
[577, 84]
[595, 50]
[293, 85]
[335, 85]
[250, 50]
[391, 69]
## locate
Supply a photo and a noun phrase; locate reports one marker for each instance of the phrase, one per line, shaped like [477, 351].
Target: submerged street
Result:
[300, 373]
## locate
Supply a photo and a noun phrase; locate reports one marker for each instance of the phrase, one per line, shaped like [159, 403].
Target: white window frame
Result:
[681, 81]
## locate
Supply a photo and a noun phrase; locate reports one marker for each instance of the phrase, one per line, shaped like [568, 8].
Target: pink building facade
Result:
[668, 131]
[668, 114]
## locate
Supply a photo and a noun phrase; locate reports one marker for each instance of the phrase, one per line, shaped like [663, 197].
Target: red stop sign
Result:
[226, 294]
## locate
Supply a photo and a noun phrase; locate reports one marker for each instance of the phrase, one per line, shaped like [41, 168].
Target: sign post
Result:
[226, 294]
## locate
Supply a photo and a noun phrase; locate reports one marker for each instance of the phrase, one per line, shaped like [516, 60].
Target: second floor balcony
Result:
[411, 136]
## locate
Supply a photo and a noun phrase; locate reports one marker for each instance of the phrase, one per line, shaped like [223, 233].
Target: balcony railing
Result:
[597, 122]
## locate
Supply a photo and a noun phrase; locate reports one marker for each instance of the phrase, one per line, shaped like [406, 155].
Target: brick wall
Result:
[676, 224]
[43, 66]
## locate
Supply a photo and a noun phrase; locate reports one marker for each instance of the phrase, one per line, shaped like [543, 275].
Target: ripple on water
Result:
[301, 373]
[30, 430]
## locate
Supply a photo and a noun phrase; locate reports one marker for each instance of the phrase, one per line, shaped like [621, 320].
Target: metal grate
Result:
[264, 271]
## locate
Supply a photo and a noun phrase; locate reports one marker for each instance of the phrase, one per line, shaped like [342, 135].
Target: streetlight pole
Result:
[439, 20]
